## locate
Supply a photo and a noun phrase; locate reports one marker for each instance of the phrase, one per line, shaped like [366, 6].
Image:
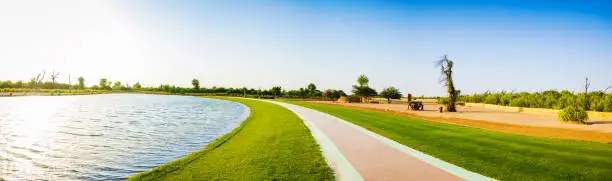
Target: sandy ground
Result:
[372, 158]
[513, 122]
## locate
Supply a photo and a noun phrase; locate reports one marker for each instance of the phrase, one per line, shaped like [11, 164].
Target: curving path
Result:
[355, 153]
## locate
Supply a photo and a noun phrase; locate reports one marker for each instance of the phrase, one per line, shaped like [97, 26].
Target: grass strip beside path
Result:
[272, 144]
[498, 155]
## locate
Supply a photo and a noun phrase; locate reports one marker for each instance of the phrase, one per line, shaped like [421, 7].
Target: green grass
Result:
[498, 155]
[272, 144]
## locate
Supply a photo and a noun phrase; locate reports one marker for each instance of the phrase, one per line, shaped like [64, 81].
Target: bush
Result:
[607, 103]
[551, 99]
[491, 99]
[442, 101]
[519, 102]
[574, 114]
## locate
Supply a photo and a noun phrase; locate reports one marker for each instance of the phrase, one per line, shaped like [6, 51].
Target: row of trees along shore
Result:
[361, 90]
[594, 101]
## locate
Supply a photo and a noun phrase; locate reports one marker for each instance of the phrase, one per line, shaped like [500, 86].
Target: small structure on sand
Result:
[414, 105]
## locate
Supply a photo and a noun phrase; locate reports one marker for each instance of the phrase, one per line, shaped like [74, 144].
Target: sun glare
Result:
[32, 128]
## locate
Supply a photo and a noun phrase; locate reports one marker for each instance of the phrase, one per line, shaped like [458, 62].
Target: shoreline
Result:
[260, 141]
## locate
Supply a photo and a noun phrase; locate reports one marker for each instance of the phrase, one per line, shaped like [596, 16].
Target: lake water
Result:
[105, 137]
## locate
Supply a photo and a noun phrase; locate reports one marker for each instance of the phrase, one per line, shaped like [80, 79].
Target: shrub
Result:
[607, 103]
[574, 114]
[519, 102]
[551, 99]
[491, 99]
[442, 100]
[505, 99]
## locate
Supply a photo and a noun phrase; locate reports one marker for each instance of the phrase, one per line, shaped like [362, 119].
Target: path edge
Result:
[448, 167]
[342, 168]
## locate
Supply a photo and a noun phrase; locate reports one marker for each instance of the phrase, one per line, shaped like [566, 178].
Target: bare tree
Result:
[446, 70]
[39, 78]
[587, 102]
[587, 84]
[54, 77]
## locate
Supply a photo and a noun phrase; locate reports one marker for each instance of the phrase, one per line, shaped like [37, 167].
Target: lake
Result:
[106, 137]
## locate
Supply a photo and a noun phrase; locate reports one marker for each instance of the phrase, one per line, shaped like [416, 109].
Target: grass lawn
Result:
[272, 144]
[498, 155]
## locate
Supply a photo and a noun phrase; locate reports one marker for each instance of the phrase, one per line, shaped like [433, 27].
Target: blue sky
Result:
[496, 45]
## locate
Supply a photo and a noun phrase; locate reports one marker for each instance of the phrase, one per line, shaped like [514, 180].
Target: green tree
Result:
[6, 84]
[446, 69]
[363, 90]
[117, 85]
[391, 93]
[336, 94]
[244, 91]
[103, 83]
[302, 93]
[81, 82]
[311, 89]
[327, 94]
[362, 80]
[32, 83]
[276, 91]
[19, 84]
[607, 103]
[165, 88]
[196, 84]
[136, 86]
[332, 94]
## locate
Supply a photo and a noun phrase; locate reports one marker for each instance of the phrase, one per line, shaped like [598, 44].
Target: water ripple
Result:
[105, 137]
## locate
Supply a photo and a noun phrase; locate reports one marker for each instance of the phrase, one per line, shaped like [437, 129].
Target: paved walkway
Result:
[355, 153]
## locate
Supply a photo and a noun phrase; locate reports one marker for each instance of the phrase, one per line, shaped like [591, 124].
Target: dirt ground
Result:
[491, 119]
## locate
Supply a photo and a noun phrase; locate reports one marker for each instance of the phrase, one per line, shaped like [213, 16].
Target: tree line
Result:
[361, 90]
[33, 84]
[550, 99]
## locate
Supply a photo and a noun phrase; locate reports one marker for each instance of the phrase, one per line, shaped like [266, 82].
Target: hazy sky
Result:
[523, 46]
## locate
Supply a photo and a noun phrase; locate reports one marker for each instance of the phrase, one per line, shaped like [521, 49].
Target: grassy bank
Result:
[498, 155]
[272, 144]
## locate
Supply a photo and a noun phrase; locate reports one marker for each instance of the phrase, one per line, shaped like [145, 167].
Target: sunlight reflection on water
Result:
[105, 137]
